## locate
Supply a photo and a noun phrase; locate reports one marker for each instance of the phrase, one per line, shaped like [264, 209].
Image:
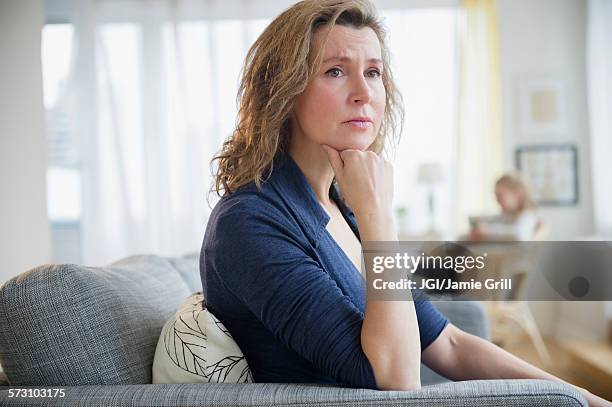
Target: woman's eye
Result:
[376, 73]
[334, 70]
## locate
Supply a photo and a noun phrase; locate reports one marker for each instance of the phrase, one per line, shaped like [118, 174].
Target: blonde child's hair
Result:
[515, 183]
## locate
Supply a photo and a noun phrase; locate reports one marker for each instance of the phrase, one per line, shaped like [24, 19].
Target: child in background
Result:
[518, 220]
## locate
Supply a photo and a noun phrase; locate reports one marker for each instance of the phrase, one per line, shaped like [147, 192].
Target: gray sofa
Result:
[93, 332]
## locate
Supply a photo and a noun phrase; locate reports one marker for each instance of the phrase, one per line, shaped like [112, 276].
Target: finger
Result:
[334, 159]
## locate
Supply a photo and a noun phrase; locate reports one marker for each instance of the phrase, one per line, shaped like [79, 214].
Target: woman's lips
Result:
[358, 124]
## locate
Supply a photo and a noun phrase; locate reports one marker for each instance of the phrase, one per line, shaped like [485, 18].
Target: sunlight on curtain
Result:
[160, 110]
[425, 72]
[479, 144]
[63, 176]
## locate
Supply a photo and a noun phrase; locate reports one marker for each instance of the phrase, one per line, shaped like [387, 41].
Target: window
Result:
[63, 173]
[423, 52]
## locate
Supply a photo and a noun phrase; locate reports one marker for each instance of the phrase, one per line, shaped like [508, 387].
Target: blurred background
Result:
[111, 111]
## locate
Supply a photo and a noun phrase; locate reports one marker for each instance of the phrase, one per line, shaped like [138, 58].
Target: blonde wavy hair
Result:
[276, 70]
[515, 183]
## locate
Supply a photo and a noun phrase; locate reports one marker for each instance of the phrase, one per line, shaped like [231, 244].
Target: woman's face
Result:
[344, 103]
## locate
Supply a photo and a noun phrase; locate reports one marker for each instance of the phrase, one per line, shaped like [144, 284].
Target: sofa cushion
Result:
[72, 325]
[188, 267]
[195, 347]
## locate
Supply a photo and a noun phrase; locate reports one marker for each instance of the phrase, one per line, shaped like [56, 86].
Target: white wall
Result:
[24, 229]
[548, 37]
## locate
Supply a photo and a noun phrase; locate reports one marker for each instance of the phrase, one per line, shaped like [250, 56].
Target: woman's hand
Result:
[458, 355]
[594, 400]
[365, 180]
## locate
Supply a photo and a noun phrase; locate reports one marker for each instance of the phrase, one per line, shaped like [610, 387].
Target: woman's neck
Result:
[312, 160]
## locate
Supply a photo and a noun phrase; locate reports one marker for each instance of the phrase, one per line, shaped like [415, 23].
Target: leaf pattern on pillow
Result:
[222, 368]
[185, 342]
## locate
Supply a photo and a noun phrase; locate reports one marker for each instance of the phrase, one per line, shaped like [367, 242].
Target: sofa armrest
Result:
[480, 393]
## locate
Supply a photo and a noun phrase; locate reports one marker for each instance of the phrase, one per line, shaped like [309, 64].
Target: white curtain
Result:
[479, 144]
[153, 89]
[426, 74]
[599, 65]
[154, 86]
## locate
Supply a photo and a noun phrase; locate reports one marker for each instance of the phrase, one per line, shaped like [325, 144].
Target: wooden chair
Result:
[507, 314]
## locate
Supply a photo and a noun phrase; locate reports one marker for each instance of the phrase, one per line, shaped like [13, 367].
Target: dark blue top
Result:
[291, 298]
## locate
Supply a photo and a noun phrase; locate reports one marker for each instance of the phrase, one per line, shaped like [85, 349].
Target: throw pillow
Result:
[195, 347]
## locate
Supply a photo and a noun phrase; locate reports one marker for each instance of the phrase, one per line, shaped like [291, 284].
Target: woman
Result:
[518, 220]
[304, 185]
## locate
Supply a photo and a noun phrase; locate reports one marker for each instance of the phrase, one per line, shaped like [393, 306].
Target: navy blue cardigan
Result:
[291, 298]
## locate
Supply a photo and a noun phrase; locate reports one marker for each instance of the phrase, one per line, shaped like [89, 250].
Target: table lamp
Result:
[430, 173]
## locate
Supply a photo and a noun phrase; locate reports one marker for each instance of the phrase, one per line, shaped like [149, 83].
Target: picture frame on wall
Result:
[543, 106]
[551, 172]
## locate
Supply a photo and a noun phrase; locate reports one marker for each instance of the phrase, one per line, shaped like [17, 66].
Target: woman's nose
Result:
[361, 92]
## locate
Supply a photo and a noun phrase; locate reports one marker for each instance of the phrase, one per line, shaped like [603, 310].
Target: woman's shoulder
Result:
[248, 207]
[250, 220]
[247, 200]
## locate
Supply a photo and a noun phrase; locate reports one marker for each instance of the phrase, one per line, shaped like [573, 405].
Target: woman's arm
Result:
[390, 332]
[390, 345]
[459, 355]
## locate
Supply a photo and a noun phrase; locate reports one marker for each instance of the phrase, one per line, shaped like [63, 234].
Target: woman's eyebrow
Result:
[347, 59]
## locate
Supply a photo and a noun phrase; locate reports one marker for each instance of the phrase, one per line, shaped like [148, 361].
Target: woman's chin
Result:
[355, 143]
